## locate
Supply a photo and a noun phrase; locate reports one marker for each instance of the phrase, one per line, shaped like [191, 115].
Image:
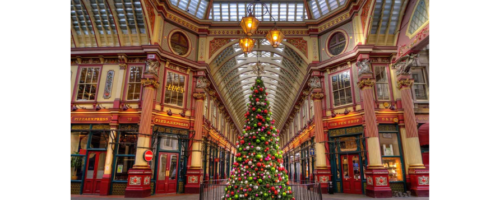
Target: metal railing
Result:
[214, 189]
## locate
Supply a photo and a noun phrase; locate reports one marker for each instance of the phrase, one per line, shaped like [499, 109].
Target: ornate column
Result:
[108, 163]
[139, 177]
[419, 175]
[377, 176]
[195, 171]
[321, 170]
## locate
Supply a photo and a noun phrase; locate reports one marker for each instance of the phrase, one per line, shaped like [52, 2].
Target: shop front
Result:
[217, 160]
[348, 159]
[89, 141]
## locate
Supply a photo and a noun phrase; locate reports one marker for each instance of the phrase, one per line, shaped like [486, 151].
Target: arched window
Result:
[336, 44]
[179, 43]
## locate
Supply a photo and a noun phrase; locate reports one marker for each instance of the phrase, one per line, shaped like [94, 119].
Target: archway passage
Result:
[284, 71]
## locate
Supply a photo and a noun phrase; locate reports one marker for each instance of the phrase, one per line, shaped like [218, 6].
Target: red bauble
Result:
[267, 143]
[261, 89]
[275, 192]
[242, 141]
[253, 109]
[272, 188]
[232, 193]
[265, 111]
[257, 99]
[259, 164]
[269, 132]
[266, 93]
[255, 91]
[259, 124]
[246, 195]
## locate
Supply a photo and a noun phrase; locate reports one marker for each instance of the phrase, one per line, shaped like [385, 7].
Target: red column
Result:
[377, 176]
[419, 175]
[139, 177]
[195, 171]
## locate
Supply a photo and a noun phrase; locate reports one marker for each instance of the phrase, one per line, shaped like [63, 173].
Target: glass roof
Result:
[279, 11]
[323, 7]
[385, 21]
[284, 70]
[196, 8]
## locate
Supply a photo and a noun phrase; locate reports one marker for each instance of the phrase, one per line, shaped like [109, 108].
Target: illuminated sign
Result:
[171, 87]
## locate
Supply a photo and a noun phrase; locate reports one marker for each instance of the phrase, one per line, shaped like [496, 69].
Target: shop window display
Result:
[391, 152]
[394, 167]
[348, 144]
[123, 164]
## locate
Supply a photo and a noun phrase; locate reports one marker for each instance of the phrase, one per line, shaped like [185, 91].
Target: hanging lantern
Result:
[247, 44]
[249, 24]
[275, 37]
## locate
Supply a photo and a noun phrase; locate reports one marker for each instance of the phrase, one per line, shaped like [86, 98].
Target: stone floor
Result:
[196, 197]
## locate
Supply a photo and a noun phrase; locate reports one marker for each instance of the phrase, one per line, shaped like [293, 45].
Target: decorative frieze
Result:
[216, 44]
[149, 82]
[342, 17]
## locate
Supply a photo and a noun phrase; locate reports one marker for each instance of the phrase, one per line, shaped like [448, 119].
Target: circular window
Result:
[336, 44]
[179, 43]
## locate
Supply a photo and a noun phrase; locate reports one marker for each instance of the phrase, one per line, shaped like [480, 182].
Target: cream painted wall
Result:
[74, 71]
[167, 28]
[102, 82]
[323, 40]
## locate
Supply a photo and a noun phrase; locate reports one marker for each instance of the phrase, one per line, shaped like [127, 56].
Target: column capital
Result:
[404, 83]
[366, 83]
[317, 96]
[199, 96]
[314, 82]
[146, 82]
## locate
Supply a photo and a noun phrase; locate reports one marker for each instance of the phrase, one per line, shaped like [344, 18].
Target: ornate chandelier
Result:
[249, 24]
[247, 44]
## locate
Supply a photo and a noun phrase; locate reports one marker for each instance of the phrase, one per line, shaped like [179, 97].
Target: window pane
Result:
[99, 139]
[76, 167]
[394, 166]
[79, 142]
[122, 166]
[348, 144]
[100, 166]
[127, 143]
[174, 93]
[169, 143]
[91, 166]
[389, 144]
[173, 168]
[163, 167]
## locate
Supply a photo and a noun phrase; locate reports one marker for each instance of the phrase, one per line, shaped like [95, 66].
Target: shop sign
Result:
[168, 122]
[422, 118]
[148, 155]
[128, 119]
[345, 122]
[387, 119]
[84, 119]
[171, 87]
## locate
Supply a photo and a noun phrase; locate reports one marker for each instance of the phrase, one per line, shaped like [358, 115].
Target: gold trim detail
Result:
[318, 96]
[366, 83]
[199, 95]
[407, 83]
[149, 82]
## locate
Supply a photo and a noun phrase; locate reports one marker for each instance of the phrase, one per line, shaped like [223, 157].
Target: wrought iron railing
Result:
[214, 189]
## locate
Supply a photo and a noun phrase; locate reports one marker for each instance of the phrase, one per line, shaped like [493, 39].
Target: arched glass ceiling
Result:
[226, 11]
[284, 72]
[323, 7]
[194, 7]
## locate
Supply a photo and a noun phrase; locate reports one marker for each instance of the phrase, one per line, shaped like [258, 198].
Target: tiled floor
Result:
[196, 197]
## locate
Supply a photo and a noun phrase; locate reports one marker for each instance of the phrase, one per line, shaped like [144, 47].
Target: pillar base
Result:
[105, 184]
[419, 182]
[323, 176]
[377, 183]
[194, 179]
[138, 184]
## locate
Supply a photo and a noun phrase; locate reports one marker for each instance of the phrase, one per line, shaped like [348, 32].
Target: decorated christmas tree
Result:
[258, 172]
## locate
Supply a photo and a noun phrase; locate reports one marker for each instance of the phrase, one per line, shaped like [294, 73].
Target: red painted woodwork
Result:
[94, 172]
[168, 164]
[423, 134]
[351, 174]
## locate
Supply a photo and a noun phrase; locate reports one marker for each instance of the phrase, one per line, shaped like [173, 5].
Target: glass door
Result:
[167, 173]
[94, 173]
[351, 174]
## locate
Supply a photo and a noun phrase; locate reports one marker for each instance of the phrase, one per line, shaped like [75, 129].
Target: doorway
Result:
[168, 164]
[94, 172]
[351, 174]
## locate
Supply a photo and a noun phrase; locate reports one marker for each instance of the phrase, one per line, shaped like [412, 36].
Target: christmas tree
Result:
[258, 172]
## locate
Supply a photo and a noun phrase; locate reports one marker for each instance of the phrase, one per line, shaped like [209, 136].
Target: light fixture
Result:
[249, 24]
[247, 44]
[275, 36]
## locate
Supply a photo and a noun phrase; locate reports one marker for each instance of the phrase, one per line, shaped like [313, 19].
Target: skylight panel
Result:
[225, 12]
[258, 11]
[103, 17]
[241, 11]
[291, 12]
[81, 19]
[333, 4]
[174, 2]
[300, 12]
[216, 11]
[274, 10]
[314, 9]
[183, 4]
[202, 8]
[323, 6]
[193, 4]
[283, 12]
[233, 12]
